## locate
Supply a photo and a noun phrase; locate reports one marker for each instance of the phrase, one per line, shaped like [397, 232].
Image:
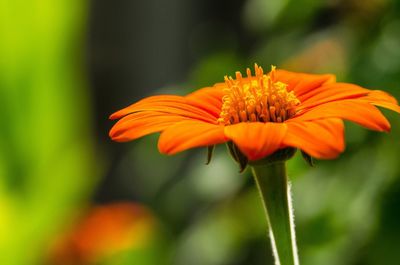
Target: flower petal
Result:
[322, 139]
[357, 111]
[189, 134]
[139, 124]
[255, 139]
[302, 83]
[331, 92]
[167, 104]
[382, 99]
[208, 99]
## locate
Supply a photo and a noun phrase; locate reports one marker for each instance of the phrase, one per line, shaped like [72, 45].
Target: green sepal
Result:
[210, 152]
[308, 158]
[231, 151]
[279, 156]
[238, 156]
[242, 159]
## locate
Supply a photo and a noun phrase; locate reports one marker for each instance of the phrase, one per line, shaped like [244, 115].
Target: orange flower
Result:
[260, 114]
[101, 232]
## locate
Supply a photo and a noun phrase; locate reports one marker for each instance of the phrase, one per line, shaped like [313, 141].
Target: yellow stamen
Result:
[256, 98]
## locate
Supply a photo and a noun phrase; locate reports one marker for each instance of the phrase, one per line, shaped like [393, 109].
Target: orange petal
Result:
[302, 83]
[255, 139]
[189, 134]
[322, 139]
[167, 104]
[382, 99]
[208, 99]
[357, 111]
[331, 92]
[139, 124]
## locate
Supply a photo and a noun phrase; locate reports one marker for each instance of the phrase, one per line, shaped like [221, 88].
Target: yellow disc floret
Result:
[256, 98]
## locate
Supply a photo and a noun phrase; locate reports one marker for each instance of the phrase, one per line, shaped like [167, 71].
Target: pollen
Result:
[258, 98]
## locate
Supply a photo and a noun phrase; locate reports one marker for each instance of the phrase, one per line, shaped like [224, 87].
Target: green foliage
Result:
[46, 154]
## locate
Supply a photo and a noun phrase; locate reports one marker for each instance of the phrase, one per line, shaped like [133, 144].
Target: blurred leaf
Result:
[46, 154]
[260, 15]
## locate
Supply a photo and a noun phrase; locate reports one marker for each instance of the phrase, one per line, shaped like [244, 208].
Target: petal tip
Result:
[163, 149]
[115, 115]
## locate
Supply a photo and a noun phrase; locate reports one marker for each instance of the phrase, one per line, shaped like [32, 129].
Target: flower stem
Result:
[272, 184]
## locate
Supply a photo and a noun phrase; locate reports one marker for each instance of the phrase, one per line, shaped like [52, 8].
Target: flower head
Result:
[259, 98]
[260, 114]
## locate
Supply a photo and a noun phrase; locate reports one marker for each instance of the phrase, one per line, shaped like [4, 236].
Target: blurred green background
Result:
[68, 195]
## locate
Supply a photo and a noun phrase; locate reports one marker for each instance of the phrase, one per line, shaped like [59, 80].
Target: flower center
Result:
[256, 98]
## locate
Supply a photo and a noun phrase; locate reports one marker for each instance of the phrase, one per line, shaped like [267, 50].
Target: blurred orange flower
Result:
[260, 114]
[103, 231]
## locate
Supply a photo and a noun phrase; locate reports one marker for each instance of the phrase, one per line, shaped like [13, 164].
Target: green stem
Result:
[272, 184]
